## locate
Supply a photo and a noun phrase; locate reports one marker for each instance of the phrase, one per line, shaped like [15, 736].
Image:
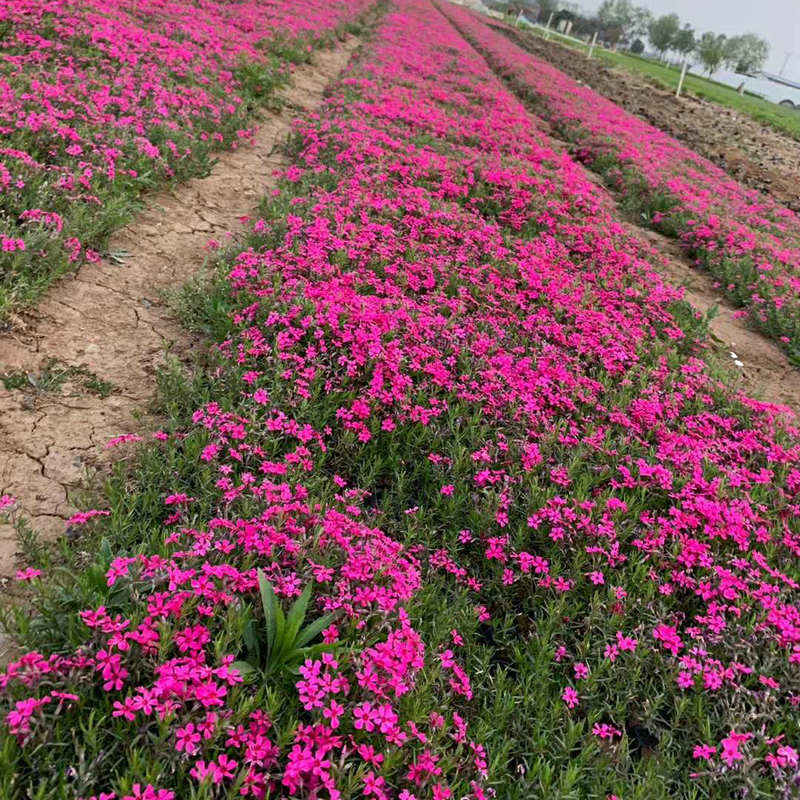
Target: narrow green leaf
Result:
[270, 605]
[297, 613]
[247, 670]
[280, 622]
[251, 640]
[314, 629]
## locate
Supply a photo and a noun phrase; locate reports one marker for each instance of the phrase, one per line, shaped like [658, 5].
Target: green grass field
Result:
[783, 119]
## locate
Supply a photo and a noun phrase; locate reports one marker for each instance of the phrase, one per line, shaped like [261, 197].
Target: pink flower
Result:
[82, 517]
[333, 713]
[605, 731]
[374, 785]
[789, 754]
[570, 697]
[626, 642]
[685, 680]
[363, 717]
[187, 739]
[125, 709]
[730, 747]
[125, 438]
[668, 636]
[704, 751]
[148, 792]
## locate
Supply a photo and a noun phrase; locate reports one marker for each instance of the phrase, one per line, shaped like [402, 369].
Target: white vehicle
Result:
[777, 90]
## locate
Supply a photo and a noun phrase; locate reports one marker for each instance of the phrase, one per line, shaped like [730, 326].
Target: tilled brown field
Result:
[753, 153]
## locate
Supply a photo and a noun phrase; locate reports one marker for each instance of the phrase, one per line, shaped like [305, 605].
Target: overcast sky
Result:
[778, 21]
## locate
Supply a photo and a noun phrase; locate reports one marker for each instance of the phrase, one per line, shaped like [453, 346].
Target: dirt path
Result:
[763, 368]
[764, 372]
[750, 151]
[84, 363]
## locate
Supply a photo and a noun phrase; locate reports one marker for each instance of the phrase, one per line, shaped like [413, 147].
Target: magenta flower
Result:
[570, 697]
[187, 739]
[704, 751]
[730, 747]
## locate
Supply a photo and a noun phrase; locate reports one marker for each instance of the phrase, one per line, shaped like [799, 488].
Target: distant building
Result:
[496, 8]
[530, 9]
[475, 5]
[770, 87]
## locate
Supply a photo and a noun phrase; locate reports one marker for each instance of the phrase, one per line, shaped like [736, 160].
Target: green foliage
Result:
[26, 274]
[684, 41]
[281, 641]
[53, 376]
[711, 49]
[663, 31]
[537, 747]
[746, 53]
[260, 80]
[782, 119]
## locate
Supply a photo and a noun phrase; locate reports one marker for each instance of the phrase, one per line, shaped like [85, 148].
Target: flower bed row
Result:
[749, 242]
[99, 101]
[453, 407]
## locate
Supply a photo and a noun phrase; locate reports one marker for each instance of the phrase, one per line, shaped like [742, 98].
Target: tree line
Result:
[621, 22]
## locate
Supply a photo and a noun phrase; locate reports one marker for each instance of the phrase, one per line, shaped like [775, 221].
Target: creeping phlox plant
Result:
[749, 242]
[100, 100]
[452, 406]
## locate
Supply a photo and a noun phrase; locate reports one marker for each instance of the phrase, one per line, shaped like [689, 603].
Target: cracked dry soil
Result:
[109, 319]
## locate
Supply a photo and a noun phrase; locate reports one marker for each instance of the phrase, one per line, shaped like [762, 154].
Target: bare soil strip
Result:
[764, 371]
[84, 362]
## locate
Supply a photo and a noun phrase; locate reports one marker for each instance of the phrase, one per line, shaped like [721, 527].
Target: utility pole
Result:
[785, 62]
[547, 27]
